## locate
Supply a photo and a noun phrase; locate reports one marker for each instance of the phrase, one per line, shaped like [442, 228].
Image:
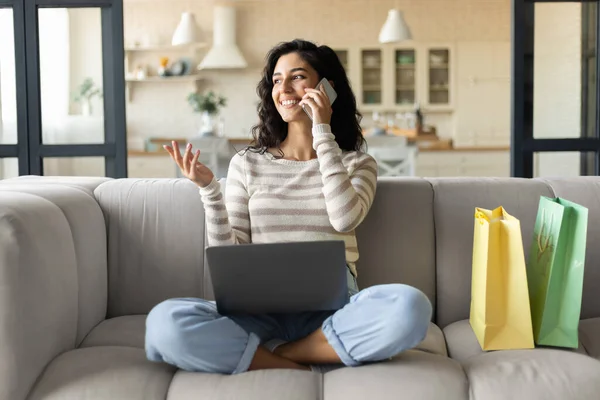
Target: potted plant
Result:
[208, 105]
[85, 93]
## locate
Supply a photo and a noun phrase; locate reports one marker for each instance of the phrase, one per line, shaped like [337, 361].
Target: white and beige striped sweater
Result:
[275, 200]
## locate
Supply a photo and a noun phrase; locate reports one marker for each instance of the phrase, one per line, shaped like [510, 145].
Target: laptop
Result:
[288, 277]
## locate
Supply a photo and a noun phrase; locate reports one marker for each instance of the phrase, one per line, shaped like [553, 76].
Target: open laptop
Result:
[278, 277]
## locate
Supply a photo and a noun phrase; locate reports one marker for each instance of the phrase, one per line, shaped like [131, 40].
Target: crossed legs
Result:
[378, 323]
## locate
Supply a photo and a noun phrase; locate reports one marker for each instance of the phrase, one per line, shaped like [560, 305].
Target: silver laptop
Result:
[278, 277]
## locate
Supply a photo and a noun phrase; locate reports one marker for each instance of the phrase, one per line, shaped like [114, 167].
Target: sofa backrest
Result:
[396, 241]
[155, 242]
[454, 210]
[418, 232]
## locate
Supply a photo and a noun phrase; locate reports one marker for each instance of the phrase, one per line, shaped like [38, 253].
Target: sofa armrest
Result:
[38, 290]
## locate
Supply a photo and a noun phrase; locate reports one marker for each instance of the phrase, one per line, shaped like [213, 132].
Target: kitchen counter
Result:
[425, 146]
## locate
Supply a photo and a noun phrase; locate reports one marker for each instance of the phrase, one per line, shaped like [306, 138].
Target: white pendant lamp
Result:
[395, 28]
[187, 31]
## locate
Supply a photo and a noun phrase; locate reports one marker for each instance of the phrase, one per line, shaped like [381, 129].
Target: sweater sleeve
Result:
[348, 194]
[227, 220]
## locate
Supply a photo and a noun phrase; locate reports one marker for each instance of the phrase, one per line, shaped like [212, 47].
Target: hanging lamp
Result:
[395, 28]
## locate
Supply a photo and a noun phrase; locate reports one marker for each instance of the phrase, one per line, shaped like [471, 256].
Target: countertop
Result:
[425, 146]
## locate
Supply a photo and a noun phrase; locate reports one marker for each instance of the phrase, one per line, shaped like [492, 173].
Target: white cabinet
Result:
[151, 166]
[456, 163]
[394, 77]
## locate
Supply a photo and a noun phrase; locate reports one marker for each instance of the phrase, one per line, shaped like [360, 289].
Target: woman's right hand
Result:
[189, 165]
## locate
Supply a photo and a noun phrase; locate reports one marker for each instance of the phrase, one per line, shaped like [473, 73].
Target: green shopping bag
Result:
[555, 271]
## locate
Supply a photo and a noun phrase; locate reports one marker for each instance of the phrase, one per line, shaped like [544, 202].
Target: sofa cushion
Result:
[38, 289]
[434, 341]
[155, 242]
[462, 342]
[455, 200]
[254, 385]
[89, 237]
[586, 191]
[103, 373]
[541, 374]
[589, 336]
[130, 331]
[411, 375]
[89, 183]
[396, 239]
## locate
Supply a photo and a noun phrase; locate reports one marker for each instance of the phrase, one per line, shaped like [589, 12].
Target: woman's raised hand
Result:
[189, 165]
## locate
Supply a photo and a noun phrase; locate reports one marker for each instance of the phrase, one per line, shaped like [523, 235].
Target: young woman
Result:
[301, 180]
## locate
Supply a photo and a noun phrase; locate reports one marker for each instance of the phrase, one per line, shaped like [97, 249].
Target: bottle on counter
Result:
[418, 119]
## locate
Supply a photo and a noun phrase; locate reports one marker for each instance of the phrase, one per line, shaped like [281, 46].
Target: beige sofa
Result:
[82, 260]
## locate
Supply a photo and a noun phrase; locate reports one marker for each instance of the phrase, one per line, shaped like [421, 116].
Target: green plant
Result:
[87, 90]
[209, 102]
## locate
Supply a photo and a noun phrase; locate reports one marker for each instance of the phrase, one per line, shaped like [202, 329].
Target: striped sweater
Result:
[275, 200]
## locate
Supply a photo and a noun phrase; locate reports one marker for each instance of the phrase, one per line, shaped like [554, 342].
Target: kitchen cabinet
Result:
[456, 163]
[392, 78]
[151, 166]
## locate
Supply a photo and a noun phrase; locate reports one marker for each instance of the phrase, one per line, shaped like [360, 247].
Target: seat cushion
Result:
[462, 342]
[434, 341]
[119, 331]
[540, 374]
[589, 336]
[103, 373]
[411, 375]
[255, 385]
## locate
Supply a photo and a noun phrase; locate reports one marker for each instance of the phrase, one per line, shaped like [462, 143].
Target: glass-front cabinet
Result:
[372, 77]
[395, 77]
[438, 76]
[405, 77]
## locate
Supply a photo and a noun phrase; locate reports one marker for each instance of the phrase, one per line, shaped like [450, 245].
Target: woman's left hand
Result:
[319, 103]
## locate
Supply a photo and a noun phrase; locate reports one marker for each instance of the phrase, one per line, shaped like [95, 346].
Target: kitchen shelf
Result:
[167, 47]
[159, 79]
[184, 78]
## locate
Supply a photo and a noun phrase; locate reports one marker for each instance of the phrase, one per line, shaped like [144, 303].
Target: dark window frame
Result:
[29, 149]
[523, 144]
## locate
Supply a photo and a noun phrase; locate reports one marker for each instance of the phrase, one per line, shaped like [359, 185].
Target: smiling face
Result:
[291, 76]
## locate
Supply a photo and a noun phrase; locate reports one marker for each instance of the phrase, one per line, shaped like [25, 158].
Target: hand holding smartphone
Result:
[330, 93]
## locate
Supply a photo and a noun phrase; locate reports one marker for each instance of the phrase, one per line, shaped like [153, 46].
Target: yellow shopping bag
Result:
[500, 314]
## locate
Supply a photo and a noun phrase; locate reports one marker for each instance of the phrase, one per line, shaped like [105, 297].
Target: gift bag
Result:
[500, 314]
[555, 271]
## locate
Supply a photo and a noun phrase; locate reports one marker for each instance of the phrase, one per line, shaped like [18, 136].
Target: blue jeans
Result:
[376, 324]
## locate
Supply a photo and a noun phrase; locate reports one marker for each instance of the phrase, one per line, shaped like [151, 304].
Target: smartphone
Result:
[330, 93]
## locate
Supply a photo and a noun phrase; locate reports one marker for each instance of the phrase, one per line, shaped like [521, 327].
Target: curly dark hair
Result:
[271, 130]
